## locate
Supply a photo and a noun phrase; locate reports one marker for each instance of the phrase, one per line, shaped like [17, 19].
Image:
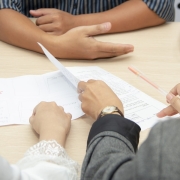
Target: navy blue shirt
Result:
[163, 8]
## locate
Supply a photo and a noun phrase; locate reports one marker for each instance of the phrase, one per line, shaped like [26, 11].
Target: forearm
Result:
[155, 157]
[18, 30]
[131, 15]
[112, 144]
[105, 155]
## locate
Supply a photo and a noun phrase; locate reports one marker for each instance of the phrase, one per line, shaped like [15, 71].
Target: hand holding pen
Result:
[174, 101]
[171, 97]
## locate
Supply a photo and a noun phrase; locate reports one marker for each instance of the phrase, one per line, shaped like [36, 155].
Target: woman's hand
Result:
[51, 122]
[95, 95]
[174, 102]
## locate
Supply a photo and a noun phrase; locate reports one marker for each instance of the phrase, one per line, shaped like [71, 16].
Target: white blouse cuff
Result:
[48, 151]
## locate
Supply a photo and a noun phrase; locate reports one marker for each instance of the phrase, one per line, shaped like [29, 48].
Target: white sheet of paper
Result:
[138, 106]
[20, 95]
[63, 70]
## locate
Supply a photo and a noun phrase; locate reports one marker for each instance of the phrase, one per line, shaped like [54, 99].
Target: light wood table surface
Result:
[157, 54]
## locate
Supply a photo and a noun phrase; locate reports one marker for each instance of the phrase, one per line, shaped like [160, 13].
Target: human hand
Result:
[95, 95]
[78, 43]
[53, 21]
[51, 122]
[174, 102]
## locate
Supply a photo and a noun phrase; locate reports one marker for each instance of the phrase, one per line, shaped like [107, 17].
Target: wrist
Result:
[111, 110]
[57, 134]
[79, 20]
[76, 21]
[57, 46]
[52, 43]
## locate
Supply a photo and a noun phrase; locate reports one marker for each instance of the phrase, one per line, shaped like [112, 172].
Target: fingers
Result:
[106, 49]
[69, 115]
[81, 97]
[36, 107]
[168, 111]
[40, 12]
[46, 28]
[46, 19]
[81, 86]
[174, 108]
[31, 119]
[97, 29]
[91, 81]
[50, 29]
[174, 101]
[36, 13]
[62, 111]
[98, 55]
[176, 90]
[61, 108]
[50, 106]
[114, 49]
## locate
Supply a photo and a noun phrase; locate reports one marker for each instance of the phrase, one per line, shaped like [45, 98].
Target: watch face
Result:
[109, 109]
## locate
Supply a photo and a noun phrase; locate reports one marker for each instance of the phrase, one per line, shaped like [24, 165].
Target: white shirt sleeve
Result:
[46, 160]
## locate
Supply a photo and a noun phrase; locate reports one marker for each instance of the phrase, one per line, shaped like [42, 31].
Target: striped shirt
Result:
[163, 8]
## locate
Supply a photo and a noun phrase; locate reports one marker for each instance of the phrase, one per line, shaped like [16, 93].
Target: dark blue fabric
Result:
[163, 8]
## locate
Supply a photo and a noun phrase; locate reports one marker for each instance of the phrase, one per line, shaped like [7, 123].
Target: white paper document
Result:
[70, 77]
[138, 106]
[19, 95]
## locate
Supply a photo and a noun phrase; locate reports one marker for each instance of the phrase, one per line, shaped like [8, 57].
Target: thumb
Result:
[174, 101]
[39, 12]
[97, 29]
[31, 119]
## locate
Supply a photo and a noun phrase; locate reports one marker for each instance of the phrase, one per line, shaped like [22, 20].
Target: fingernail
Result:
[159, 114]
[107, 26]
[169, 97]
[129, 48]
[80, 91]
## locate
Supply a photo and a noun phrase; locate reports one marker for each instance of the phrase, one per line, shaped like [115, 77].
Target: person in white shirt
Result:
[46, 160]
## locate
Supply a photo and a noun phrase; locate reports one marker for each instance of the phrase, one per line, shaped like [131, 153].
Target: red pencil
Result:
[141, 75]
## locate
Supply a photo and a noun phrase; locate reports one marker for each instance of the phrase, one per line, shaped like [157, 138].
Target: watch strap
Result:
[116, 110]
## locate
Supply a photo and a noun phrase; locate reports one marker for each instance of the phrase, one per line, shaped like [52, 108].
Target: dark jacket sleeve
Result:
[111, 153]
[118, 124]
[112, 142]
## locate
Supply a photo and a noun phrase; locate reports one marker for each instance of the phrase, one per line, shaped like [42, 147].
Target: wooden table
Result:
[157, 53]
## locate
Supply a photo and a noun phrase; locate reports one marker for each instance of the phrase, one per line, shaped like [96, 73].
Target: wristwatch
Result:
[110, 110]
